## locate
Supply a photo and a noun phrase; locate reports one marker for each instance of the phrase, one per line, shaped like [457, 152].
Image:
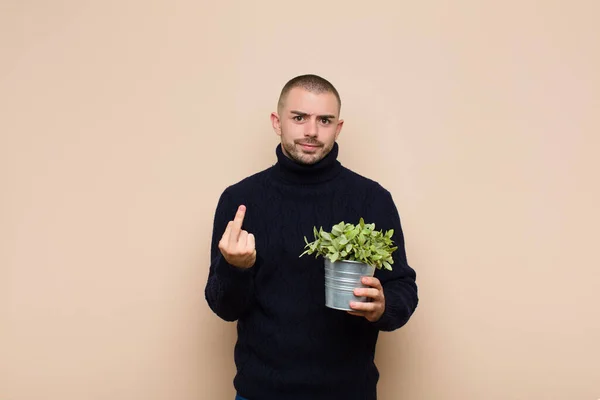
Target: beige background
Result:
[121, 123]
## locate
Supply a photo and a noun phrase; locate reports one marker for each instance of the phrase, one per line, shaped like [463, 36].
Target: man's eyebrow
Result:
[299, 113]
[303, 114]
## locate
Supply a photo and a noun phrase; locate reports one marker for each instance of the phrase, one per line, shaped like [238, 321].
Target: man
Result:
[290, 346]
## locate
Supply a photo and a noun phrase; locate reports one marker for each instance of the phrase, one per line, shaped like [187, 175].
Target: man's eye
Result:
[298, 118]
[326, 121]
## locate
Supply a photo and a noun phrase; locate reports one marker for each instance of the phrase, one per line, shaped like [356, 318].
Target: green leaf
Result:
[361, 239]
[352, 233]
[337, 230]
[359, 242]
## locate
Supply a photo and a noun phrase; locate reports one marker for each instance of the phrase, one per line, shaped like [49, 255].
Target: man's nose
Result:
[311, 128]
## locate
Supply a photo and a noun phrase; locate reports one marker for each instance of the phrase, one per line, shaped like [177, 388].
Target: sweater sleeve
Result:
[399, 285]
[229, 290]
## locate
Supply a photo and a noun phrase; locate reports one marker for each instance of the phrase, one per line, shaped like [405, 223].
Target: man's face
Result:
[308, 124]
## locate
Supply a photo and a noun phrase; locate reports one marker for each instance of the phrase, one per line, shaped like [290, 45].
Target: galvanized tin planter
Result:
[341, 278]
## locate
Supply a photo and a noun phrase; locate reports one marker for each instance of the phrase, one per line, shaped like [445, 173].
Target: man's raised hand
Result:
[237, 245]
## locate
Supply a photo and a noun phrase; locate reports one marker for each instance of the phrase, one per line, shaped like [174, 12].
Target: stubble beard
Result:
[300, 157]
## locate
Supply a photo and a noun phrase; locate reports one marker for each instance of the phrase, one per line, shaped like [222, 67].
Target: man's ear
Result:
[276, 122]
[338, 129]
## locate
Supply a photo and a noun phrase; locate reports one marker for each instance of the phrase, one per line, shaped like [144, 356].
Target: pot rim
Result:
[345, 261]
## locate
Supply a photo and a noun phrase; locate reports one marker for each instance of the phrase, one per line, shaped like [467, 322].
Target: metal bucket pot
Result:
[341, 278]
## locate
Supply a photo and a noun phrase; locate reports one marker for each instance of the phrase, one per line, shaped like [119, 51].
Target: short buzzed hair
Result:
[311, 83]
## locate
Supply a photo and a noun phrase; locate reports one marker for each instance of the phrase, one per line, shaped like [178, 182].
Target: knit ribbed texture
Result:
[290, 346]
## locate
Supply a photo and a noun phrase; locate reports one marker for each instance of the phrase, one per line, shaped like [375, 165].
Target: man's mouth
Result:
[309, 144]
[309, 147]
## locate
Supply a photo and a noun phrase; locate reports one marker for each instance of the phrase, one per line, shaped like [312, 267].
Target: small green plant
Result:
[349, 242]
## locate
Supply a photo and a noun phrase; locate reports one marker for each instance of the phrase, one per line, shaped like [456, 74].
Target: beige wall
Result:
[121, 122]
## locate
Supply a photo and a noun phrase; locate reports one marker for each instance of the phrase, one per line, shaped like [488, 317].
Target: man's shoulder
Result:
[368, 184]
[249, 184]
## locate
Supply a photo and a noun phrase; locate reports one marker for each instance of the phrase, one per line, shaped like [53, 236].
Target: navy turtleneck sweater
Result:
[290, 346]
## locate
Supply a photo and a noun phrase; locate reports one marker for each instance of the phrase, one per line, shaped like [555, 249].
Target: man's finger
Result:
[236, 227]
[371, 293]
[227, 231]
[251, 244]
[367, 307]
[240, 214]
[372, 281]
[242, 241]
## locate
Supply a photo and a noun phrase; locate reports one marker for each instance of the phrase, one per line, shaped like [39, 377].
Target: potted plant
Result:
[350, 252]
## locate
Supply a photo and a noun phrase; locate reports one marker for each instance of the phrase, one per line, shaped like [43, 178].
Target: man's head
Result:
[307, 118]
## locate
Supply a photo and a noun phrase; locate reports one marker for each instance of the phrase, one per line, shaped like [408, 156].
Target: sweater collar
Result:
[291, 171]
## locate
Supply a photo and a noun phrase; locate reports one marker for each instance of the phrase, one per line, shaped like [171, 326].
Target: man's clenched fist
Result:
[237, 245]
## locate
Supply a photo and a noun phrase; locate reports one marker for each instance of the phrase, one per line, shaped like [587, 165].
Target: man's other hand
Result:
[238, 246]
[372, 310]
